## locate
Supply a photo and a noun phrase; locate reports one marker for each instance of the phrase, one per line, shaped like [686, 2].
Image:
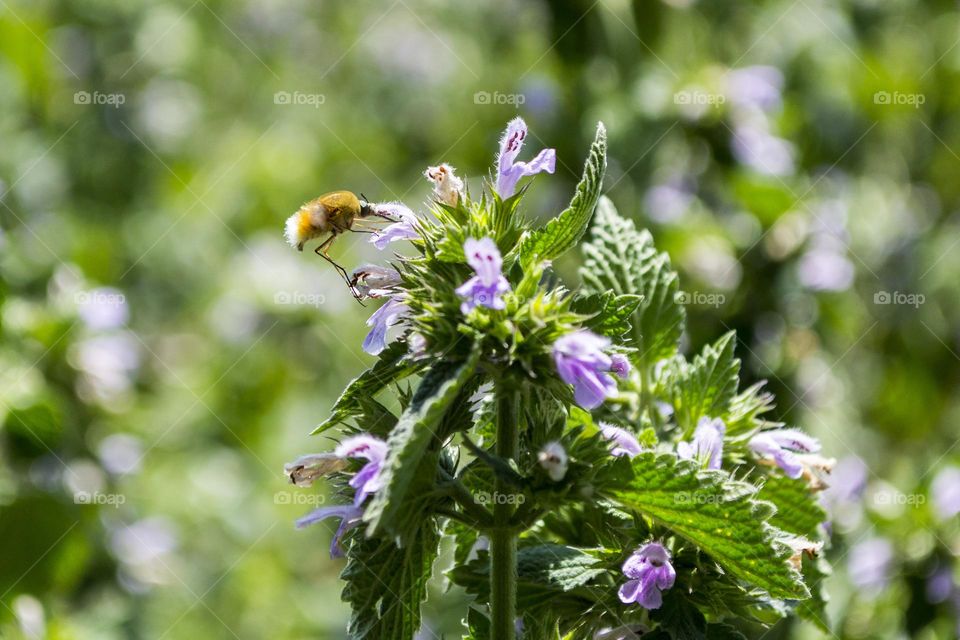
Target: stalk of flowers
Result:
[365, 482]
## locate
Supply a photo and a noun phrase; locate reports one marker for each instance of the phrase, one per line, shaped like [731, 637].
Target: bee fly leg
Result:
[322, 252]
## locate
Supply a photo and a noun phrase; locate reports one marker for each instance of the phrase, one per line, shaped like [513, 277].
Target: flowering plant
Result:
[594, 481]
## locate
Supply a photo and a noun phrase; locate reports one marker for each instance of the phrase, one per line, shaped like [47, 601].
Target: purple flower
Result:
[373, 281]
[707, 445]
[945, 491]
[350, 516]
[624, 442]
[650, 572]
[485, 288]
[365, 482]
[374, 450]
[382, 319]
[782, 445]
[581, 362]
[403, 229]
[508, 170]
[620, 365]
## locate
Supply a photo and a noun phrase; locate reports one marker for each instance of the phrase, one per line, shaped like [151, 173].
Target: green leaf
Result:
[557, 566]
[814, 610]
[392, 366]
[609, 313]
[563, 232]
[798, 511]
[621, 259]
[385, 584]
[721, 516]
[707, 385]
[410, 441]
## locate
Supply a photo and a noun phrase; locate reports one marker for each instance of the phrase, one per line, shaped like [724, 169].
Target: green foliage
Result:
[707, 386]
[621, 259]
[563, 232]
[393, 365]
[385, 584]
[719, 515]
[410, 443]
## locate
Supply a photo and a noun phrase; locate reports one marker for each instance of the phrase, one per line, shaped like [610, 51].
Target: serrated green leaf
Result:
[385, 584]
[798, 511]
[706, 386]
[609, 313]
[410, 441]
[719, 515]
[814, 609]
[557, 566]
[621, 259]
[563, 232]
[392, 366]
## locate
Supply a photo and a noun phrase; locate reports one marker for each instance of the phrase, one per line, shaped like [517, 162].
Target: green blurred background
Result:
[163, 352]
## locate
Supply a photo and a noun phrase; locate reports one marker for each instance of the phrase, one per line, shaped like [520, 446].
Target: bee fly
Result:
[332, 213]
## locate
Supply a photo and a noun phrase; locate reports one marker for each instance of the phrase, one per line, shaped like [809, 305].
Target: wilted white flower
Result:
[553, 458]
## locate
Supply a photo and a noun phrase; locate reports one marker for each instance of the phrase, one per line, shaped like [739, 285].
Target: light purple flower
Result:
[782, 445]
[650, 572]
[350, 516]
[945, 491]
[581, 361]
[381, 320]
[485, 288]
[707, 445]
[364, 482]
[620, 365]
[403, 229]
[374, 281]
[509, 171]
[624, 442]
[869, 564]
[372, 449]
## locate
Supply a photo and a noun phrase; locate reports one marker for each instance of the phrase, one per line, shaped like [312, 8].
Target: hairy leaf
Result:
[563, 232]
[719, 515]
[410, 441]
[798, 511]
[385, 584]
[392, 366]
[609, 313]
[621, 259]
[706, 386]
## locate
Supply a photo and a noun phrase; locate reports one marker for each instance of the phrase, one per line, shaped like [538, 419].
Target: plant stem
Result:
[503, 539]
